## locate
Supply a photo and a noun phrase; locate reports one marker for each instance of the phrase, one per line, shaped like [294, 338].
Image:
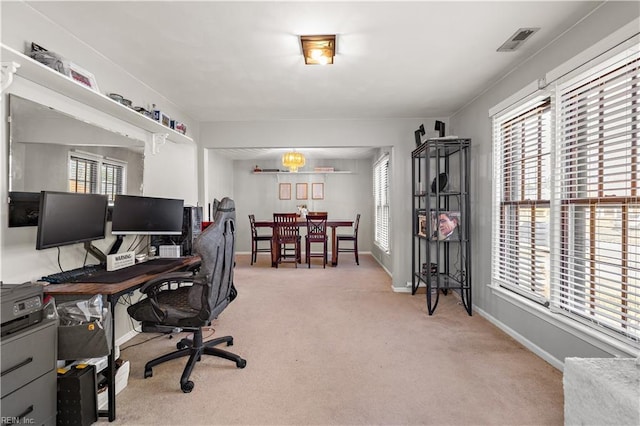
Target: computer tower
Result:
[77, 397]
[191, 228]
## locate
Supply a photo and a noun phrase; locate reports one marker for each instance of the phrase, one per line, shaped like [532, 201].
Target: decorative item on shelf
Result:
[439, 182]
[257, 168]
[47, 58]
[116, 97]
[423, 227]
[293, 160]
[161, 117]
[180, 127]
[143, 111]
[82, 76]
[302, 211]
[323, 169]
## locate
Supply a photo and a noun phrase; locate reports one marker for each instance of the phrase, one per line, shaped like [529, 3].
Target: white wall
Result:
[395, 135]
[473, 121]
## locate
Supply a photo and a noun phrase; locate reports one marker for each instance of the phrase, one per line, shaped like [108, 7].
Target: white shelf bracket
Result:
[159, 139]
[8, 70]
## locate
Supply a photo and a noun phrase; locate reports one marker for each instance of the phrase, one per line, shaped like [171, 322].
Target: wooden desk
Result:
[333, 224]
[113, 291]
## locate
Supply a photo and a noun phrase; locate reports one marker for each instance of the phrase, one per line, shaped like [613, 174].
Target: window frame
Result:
[558, 226]
[99, 182]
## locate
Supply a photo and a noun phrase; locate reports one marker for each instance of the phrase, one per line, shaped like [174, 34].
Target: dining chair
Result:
[256, 239]
[287, 238]
[316, 233]
[353, 238]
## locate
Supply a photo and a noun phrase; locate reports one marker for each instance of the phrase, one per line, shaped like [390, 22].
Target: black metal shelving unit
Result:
[441, 172]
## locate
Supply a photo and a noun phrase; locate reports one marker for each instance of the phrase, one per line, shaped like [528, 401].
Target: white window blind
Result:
[598, 264]
[381, 199]
[521, 246]
[93, 174]
[566, 200]
[83, 175]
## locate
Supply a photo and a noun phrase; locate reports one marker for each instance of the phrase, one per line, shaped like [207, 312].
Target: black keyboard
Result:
[98, 274]
[74, 275]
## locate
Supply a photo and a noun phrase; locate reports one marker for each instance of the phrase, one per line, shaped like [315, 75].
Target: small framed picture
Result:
[82, 76]
[317, 191]
[285, 191]
[301, 191]
[423, 227]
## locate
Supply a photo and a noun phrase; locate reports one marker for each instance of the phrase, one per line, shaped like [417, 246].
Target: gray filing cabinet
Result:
[28, 368]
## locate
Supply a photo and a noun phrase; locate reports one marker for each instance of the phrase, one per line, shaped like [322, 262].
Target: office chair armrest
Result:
[151, 287]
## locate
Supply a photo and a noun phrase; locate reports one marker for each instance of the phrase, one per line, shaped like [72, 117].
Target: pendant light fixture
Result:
[293, 160]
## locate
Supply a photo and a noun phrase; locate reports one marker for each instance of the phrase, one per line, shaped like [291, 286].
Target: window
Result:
[566, 199]
[92, 174]
[381, 200]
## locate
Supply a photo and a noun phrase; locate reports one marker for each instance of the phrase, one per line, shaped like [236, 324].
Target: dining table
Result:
[302, 223]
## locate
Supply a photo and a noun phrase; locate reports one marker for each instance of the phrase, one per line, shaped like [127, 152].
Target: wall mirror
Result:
[42, 143]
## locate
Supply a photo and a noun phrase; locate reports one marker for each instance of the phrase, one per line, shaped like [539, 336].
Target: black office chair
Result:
[256, 239]
[171, 303]
[349, 237]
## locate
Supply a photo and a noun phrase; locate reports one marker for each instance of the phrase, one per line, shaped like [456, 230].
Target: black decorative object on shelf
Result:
[439, 182]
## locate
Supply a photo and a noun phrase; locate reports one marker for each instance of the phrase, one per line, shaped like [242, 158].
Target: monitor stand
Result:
[95, 252]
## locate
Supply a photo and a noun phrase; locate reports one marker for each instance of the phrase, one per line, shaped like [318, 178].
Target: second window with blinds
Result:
[94, 174]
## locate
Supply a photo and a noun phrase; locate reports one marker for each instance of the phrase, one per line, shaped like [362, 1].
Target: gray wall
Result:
[554, 342]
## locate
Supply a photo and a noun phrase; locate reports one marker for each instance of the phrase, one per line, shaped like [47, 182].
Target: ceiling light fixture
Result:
[293, 160]
[318, 49]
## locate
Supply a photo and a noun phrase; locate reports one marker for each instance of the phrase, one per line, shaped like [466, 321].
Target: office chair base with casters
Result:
[194, 349]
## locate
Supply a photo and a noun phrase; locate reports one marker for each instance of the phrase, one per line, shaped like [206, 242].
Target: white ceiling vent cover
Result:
[516, 40]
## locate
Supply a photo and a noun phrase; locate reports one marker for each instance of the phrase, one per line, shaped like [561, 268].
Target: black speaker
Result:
[191, 229]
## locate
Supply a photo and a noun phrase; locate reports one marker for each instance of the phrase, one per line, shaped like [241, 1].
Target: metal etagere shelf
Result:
[441, 249]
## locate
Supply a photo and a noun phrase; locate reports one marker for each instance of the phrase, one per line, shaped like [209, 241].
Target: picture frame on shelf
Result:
[82, 76]
[317, 191]
[445, 225]
[302, 192]
[284, 191]
[423, 227]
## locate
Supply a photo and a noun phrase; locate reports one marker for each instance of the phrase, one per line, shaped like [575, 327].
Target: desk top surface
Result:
[114, 288]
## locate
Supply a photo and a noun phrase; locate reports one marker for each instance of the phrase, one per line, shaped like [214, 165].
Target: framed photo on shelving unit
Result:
[423, 227]
[284, 191]
[82, 76]
[301, 191]
[445, 225]
[317, 191]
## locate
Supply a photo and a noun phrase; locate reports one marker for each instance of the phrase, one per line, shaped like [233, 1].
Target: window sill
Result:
[599, 340]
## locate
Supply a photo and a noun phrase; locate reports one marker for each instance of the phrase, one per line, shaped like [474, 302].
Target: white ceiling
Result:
[227, 61]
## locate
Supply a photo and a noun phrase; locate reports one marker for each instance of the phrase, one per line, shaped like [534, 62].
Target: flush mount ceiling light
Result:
[318, 49]
[293, 160]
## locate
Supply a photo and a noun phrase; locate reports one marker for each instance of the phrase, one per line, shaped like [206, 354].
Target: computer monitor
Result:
[134, 214]
[68, 218]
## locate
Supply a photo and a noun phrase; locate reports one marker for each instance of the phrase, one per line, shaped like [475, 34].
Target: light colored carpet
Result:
[336, 346]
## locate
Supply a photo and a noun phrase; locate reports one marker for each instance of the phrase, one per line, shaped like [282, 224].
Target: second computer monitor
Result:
[146, 215]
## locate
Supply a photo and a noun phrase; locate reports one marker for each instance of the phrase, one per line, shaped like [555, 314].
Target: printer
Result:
[21, 306]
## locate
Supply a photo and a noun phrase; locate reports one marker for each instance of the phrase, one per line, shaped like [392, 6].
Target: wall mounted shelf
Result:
[35, 71]
[337, 172]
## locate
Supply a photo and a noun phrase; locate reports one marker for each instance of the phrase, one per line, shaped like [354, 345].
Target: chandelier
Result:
[293, 160]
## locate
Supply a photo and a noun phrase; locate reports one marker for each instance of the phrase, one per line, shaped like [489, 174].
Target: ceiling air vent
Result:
[516, 40]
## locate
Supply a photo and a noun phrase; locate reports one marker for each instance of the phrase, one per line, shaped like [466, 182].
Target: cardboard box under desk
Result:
[89, 340]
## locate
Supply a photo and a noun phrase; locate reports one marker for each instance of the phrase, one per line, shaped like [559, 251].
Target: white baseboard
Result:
[126, 337]
[557, 363]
